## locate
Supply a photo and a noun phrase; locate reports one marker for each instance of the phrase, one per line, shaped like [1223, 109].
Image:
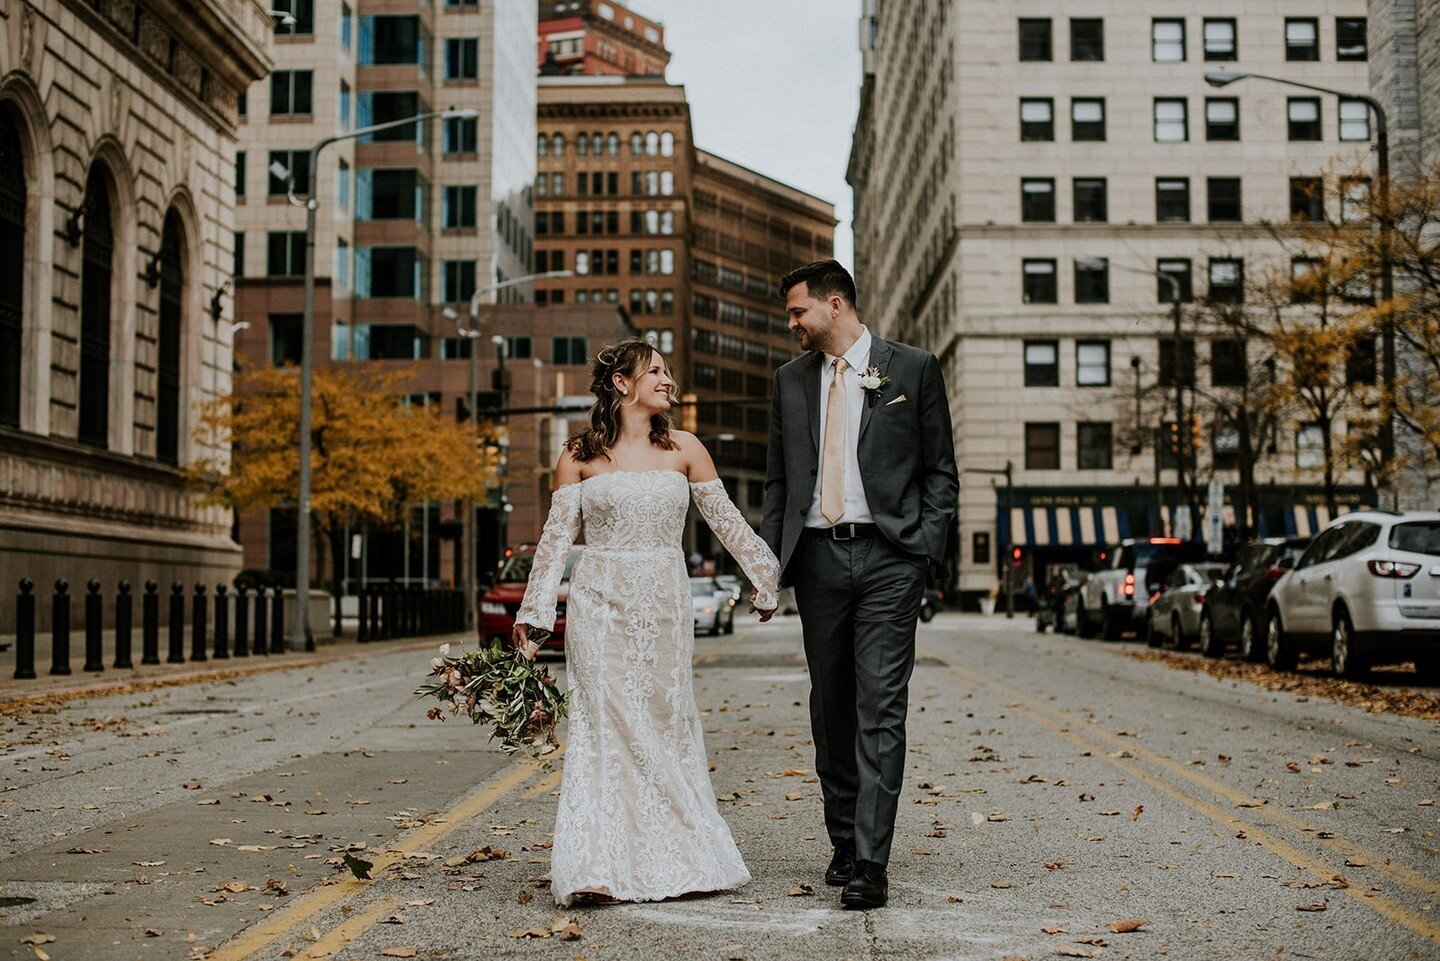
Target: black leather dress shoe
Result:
[869, 888]
[842, 867]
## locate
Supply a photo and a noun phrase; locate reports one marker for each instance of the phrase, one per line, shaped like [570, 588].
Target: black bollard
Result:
[362, 629]
[60, 629]
[277, 622]
[376, 631]
[222, 623]
[262, 622]
[124, 614]
[177, 624]
[94, 611]
[25, 631]
[150, 624]
[242, 622]
[200, 614]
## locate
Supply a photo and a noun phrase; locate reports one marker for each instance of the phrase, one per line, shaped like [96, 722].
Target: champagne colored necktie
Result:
[832, 464]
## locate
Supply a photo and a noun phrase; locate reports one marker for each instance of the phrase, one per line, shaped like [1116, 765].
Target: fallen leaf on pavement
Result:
[1069, 951]
[220, 841]
[39, 937]
[149, 864]
[87, 851]
[1001, 884]
[234, 887]
[1056, 929]
[565, 929]
[1317, 906]
[153, 933]
[399, 952]
[1135, 814]
[799, 891]
[1128, 925]
[523, 934]
[394, 919]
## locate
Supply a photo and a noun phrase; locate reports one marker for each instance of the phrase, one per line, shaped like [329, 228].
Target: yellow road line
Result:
[350, 929]
[265, 934]
[1396, 912]
[1341, 846]
[545, 785]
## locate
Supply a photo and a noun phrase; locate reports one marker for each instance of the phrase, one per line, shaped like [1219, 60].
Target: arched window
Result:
[542, 145]
[652, 144]
[637, 144]
[95, 293]
[667, 144]
[167, 372]
[557, 145]
[12, 265]
[582, 144]
[612, 144]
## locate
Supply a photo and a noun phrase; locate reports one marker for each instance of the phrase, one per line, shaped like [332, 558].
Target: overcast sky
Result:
[773, 85]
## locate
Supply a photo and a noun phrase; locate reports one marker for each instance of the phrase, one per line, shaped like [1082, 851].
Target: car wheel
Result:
[1177, 640]
[1210, 644]
[1082, 623]
[1152, 639]
[730, 625]
[1345, 660]
[1280, 652]
[1427, 666]
[1111, 622]
[926, 613]
[1250, 633]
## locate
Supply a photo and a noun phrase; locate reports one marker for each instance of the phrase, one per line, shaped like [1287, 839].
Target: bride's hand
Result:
[764, 615]
[520, 640]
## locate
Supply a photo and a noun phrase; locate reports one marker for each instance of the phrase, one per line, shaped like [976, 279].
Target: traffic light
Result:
[1197, 432]
[1174, 438]
[688, 419]
[1016, 554]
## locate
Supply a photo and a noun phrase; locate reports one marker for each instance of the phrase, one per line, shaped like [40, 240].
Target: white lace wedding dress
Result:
[637, 817]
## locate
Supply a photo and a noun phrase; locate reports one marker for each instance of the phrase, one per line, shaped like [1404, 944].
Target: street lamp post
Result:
[1223, 78]
[300, 630]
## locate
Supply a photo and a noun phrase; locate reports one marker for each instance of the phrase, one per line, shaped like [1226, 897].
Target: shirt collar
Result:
[859, 353]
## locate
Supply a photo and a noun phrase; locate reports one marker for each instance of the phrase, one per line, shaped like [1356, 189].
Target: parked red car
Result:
[501, 600]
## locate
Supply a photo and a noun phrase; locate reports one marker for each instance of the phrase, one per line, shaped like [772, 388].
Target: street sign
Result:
[1215, 519]
[1182, 522]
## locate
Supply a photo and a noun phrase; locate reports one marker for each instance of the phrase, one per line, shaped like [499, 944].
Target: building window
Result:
[1039, 280]
[462, 58]
[1037, 200]
[1361, 362]
[1220, 39]
[979, 547]
[342, 262]
[458, 280]
[388, 194]
[1172, 367]
[285, 253]
[1223, 199]
[569, 350]
[1303, 281]
[1172, 199]
[382, 272]
[1087, 120]
[1354, 198]
[237, 264]
[297, 162]
[1087, 39]
[395, 39]
[1224, 445]
[1354, 120]
[1037, 119]
[1309, 447]
[1092, 281]
[344, 105]
[382, 106]
[167, 343]
[461, 134]
[1042, 446]
[1042, 363]
[1172, 122]
[96, 289]
[285, 330]
[458, 205]
[1091, 205]
[1094, 445]
[1303, 114]
[347, 25]
[1302, 38]
[1092, 363]
[342, 185]
[1350, 39]
[1222, 118]
[1178, 269]
[1167, 41]
[1035, 40]
[1227, 280]
[240, 174]
[1227, 362]
[1307, 199]
[290, 92]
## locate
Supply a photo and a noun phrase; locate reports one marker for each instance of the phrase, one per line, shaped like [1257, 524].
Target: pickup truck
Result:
[1114, 598]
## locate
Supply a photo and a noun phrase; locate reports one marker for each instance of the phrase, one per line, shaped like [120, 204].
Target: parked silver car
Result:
[706, 595]
[1173, 618]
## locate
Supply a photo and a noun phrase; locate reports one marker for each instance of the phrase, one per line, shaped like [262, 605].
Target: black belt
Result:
[845, 532]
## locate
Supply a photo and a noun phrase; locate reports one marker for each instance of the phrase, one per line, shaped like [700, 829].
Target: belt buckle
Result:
[834, 535]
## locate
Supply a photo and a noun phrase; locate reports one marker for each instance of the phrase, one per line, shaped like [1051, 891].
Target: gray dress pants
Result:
[859, 601]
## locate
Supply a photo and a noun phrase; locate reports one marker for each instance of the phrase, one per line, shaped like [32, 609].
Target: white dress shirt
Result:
[857, 509]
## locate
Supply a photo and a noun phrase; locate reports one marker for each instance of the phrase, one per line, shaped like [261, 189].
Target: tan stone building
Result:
[117, 128]
[1022, 170]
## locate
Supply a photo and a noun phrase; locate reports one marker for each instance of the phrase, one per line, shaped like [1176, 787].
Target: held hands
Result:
[764, 615]
[520, 640]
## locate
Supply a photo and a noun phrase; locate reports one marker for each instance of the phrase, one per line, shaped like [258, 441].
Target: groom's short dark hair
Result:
[823, 279]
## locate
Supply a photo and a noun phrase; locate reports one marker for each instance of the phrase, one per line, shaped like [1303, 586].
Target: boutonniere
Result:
[872, 381]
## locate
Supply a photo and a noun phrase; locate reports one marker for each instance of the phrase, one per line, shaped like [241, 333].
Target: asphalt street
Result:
[1055, 790]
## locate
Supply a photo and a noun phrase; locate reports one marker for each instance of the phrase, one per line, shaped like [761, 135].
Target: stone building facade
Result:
[599, 37]
[117, 138]
[1021, 170]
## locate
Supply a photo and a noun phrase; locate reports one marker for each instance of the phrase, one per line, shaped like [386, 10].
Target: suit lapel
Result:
[810, 383]
[880, 354]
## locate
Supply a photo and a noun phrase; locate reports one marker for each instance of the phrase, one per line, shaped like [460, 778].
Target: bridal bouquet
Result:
[494, 685]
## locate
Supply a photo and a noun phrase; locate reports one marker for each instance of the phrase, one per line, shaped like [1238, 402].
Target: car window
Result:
[1289, 554]
[1125, 558]
[1358, 536]
[1322, 543]
[702, 588]
[1417, 537]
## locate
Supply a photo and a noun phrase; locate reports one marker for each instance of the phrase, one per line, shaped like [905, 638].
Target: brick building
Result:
[597, 37]
[117, 136]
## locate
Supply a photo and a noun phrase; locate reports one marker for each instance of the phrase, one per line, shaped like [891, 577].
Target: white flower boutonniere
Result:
[872, 381]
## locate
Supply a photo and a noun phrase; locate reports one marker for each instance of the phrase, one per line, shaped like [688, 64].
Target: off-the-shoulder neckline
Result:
[660, 470]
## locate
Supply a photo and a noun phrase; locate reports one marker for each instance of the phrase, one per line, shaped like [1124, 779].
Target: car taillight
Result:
[1199, 600]
[1275, 573]
[1399, 569]
[1154, 597]
[1128, 589]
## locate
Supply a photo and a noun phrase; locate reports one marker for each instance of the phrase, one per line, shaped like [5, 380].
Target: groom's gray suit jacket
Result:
[906, 452]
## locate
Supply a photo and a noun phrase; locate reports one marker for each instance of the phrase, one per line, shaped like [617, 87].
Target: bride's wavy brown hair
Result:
[628, 357]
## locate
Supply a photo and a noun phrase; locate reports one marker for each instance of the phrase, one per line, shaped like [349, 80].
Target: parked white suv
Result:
[1116, 597]
[1367, 590]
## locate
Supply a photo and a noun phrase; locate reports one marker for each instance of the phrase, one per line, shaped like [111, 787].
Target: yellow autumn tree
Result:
[372, 455]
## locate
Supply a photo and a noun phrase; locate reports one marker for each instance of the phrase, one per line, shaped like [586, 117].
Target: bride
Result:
[637, 819]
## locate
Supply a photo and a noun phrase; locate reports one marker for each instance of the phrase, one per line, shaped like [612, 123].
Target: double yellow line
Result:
[1096, 741]
[264, 939]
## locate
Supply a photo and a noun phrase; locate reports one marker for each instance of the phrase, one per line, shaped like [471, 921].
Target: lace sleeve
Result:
[756, 558]
[562, 526]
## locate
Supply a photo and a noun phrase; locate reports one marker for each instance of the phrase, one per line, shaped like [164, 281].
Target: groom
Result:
[859, 491]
